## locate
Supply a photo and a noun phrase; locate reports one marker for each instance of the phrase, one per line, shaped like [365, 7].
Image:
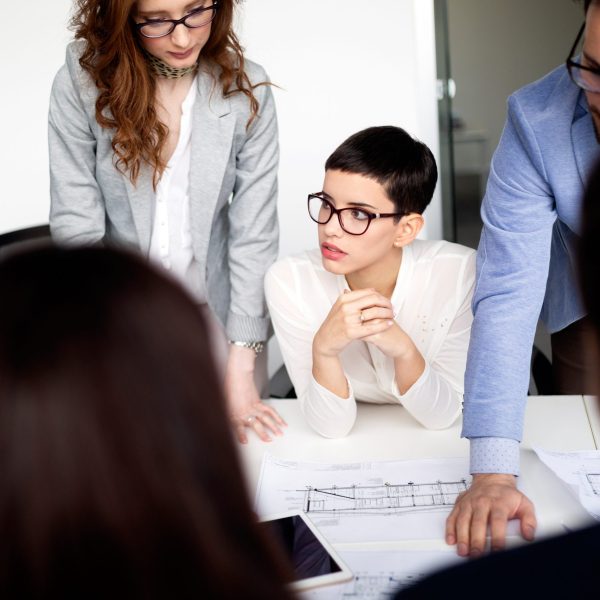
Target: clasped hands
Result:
[361, 315]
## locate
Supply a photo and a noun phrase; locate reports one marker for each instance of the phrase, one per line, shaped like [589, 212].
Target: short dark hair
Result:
[587, 4]
[404, 166]
[118, 471]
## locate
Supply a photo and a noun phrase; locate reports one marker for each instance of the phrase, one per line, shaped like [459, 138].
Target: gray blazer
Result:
[233, 189]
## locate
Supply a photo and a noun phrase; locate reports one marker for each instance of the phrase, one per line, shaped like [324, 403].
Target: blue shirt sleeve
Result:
[513, 257]
[494, 455]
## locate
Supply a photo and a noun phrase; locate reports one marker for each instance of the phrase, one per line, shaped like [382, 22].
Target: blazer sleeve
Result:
[253, 227]
[77, 212]
[513, 258]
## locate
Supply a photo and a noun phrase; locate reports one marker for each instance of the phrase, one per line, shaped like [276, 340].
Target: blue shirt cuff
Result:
[494, 455]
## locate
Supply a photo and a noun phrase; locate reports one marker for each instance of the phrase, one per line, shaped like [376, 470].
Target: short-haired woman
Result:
[374, 314]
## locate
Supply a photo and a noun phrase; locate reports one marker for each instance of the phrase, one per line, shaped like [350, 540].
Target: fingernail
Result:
[450, 540]
[463, 549]
[529, 532]
[475, 553]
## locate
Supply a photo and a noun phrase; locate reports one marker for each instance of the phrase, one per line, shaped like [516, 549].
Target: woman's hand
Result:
[393, 341]
[356, 315]
[246, 409]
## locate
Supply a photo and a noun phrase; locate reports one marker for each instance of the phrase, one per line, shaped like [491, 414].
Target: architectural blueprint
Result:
[580, 470]
[365, 502]
[379, 574]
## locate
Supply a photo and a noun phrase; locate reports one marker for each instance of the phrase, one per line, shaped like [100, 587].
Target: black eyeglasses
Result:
[587, 78]
[354, 221]
[199, 17]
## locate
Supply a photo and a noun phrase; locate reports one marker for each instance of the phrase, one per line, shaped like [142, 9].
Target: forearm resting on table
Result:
[328, 372]
[408, 367]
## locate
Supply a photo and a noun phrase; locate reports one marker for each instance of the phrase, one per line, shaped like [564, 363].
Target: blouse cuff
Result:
[328, 414]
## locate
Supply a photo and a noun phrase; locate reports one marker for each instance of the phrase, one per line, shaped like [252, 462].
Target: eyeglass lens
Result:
[352, 220]
[197, 18]
[588, 80]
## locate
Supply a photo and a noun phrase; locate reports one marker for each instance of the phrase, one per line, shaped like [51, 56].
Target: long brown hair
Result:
[115, 62]
[118, 472]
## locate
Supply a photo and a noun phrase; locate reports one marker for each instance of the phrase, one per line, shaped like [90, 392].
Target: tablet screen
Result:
[304, 550]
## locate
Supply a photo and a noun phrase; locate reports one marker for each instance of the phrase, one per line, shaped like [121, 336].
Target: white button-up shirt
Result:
[432, 304]
[171, 241]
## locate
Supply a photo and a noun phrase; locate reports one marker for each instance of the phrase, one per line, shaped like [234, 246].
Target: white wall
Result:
[497, 47]
[341, 66]
[32, 48]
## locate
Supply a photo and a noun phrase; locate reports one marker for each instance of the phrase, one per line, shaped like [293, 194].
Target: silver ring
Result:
[362, 317]
[250, 419]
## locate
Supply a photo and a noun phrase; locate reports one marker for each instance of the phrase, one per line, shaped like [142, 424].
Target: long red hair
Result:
[115, 62]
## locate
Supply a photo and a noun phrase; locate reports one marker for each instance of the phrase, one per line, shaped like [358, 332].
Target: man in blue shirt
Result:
[525, 264]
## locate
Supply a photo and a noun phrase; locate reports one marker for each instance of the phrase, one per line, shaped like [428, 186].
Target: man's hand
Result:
[492, 499]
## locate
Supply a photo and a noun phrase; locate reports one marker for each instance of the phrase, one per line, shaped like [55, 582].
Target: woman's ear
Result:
[408, 229]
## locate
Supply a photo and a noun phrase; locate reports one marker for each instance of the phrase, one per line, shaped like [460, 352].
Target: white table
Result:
[592, 406]
[384, 432]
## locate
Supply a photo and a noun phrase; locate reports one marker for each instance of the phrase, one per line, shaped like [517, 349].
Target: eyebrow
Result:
[350, 204]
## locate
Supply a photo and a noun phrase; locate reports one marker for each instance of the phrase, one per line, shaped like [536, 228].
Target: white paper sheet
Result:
[581, 471]
[368, 501]
[379, 574]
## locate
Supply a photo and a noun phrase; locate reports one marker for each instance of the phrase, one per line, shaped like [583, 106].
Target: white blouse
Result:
[432, 304]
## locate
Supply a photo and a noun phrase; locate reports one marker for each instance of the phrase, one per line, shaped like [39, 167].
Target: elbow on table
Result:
[330, 424]
[435, 422]
[334, 430]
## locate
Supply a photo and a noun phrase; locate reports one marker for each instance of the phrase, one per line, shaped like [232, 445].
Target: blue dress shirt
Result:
[525, 259]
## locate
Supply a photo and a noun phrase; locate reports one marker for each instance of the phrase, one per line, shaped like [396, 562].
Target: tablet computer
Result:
[313, 559]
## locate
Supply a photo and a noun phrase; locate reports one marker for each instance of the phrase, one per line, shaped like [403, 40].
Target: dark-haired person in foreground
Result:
[118, 472]
[374, 314]
[563, 567]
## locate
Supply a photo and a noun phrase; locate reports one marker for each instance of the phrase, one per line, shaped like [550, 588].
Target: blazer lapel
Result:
[212, 141]
[141, 200]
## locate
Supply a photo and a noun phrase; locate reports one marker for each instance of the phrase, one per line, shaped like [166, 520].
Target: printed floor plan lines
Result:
[594, 481]
[382, 499]
[370, 501]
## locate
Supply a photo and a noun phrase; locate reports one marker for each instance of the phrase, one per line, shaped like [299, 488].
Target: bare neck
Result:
[381, 276]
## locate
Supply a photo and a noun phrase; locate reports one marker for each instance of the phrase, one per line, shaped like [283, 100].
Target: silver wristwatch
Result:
[256, 346]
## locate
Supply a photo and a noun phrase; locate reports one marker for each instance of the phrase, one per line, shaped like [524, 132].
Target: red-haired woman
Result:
[164, 138]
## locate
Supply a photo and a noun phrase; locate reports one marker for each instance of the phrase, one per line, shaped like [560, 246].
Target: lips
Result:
[182, 55]
[332, 252]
